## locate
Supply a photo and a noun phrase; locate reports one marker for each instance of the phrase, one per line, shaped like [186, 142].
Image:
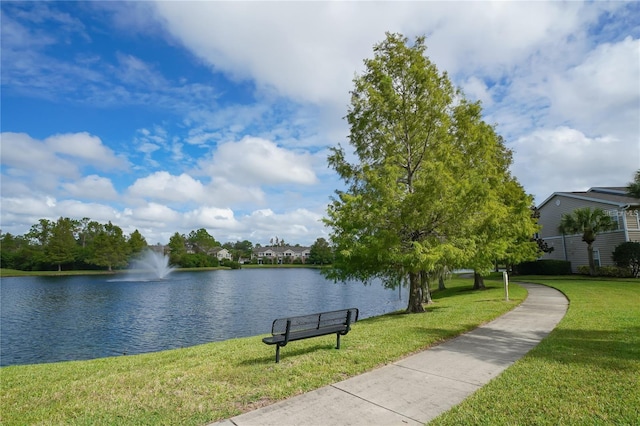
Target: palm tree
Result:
[633, 189]
[590, 223]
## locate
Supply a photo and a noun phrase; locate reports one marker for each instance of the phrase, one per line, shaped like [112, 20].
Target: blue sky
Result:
[173, 116]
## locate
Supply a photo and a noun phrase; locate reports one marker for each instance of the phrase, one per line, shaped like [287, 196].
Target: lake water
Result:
[50, 319]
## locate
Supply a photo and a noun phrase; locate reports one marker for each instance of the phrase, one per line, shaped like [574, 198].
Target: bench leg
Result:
[277, 353]
[338, 342]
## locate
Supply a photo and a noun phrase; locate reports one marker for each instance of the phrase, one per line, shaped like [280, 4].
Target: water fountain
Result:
[151, 265]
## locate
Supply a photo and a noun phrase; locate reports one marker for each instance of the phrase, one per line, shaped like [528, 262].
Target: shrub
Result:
[607, 271]
[627, 256]
[230, 264]
[544, 267]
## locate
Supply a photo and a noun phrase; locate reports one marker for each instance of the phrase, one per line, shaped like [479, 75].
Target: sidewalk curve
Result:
[418, 388]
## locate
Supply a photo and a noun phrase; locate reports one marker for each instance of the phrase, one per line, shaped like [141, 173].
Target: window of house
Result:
[596, 257]
[616, 220]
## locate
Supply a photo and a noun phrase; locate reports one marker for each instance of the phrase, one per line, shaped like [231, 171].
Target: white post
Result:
[505, 278]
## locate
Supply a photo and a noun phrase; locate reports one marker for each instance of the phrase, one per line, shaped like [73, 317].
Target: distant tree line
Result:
[71, 244]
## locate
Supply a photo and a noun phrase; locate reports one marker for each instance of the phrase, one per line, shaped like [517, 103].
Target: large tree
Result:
[405, 210]
[201, 241]
[137, 243]
[320, 252]
[61, 246]
[588, 222]
[177, 248]
[110, 247]
[498, 220]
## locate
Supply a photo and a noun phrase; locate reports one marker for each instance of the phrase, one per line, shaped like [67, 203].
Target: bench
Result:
[285, 330]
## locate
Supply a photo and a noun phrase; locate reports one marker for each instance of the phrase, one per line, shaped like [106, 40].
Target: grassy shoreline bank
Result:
[218, 380]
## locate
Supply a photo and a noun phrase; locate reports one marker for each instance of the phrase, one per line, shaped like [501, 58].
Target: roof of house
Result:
[614, 195]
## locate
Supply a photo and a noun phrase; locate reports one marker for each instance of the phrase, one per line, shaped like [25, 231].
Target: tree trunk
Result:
[426, 291]
[441, 283]
[592, 262]
[415, 294]
[59, 267]
[478, 281]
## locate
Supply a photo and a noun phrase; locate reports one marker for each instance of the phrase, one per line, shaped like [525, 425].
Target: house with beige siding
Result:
[624, 210]
[281, 254]
[221, 253]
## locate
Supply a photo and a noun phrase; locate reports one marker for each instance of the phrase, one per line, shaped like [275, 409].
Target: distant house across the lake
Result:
[281, 254]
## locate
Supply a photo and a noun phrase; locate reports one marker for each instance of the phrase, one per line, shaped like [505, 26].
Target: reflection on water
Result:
[48, 319]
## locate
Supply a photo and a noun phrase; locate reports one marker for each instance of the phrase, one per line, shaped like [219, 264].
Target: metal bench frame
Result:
[285, 330]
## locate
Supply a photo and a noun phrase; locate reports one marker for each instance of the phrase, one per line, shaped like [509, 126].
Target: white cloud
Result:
[309, 51]
[211, 218]
[256, 161]
[85, 149]
[42, 164]
[31, 207]
[24, 155]
[76, 209]
[564, 159]
[166, 187]
[601, 94]
[153, 213]
[283, 47]
[92, 187]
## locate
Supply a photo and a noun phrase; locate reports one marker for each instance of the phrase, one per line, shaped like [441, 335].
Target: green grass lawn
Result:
[193, 386]
[586, 372]
[4, 272]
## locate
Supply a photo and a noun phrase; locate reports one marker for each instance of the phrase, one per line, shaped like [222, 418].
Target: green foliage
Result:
[627, 256]
[633, 189]
[201, 241]
[589, 223]
[586, 221]
[193, 251]
[137, 243]
[230, 264]
[197, 260]
[544, 267]
[177, 248]
[60, 246]
[110, 247]
[15, 252]
[320, 253]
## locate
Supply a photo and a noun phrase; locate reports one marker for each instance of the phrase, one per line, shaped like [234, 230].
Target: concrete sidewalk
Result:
[416, 389]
